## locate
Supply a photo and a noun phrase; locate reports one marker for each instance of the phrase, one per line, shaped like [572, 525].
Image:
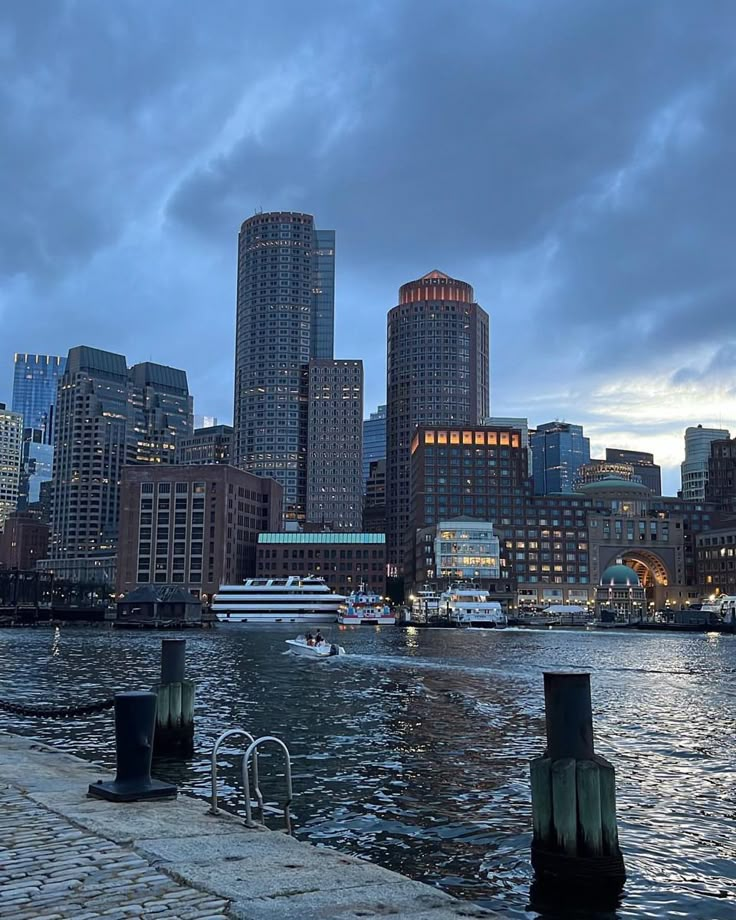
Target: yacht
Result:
[277, 600]
[723, 607]
[469, 606]
[365, 607]
[425, 606]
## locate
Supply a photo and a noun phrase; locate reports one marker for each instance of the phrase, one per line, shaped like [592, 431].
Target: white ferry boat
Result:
[468, 606]
[425, 606]
[277, 600]
[365, 608]
[723, 606]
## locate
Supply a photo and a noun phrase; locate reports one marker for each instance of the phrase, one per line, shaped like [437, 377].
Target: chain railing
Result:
[56, 712]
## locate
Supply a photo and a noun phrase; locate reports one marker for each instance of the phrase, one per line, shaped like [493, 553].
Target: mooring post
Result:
[175, 702]
[573, 793]
[135, 713]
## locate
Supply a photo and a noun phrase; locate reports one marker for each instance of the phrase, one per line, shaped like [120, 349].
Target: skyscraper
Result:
[334, 465]
[644, 466]
[107, 416]
[11, 433]
[35, 379]
[285, 314]
[558, 449]
[694, 469]
[437, 374]
[161, 411]
[374, 440]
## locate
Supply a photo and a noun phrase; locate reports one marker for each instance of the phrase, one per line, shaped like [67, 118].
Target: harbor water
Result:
[413, 749]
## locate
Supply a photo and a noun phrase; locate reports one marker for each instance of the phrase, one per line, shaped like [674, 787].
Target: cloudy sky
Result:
[572, 159]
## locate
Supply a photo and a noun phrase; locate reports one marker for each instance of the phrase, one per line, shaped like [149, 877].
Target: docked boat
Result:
[425, 606]
[721, 608]
[365, 608]
[277, 600]
[469, 606]
[302, 646]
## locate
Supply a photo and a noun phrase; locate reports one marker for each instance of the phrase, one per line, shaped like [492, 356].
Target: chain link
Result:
[58, 712]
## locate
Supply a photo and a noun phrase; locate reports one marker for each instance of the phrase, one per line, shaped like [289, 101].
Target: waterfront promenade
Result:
[65, 856]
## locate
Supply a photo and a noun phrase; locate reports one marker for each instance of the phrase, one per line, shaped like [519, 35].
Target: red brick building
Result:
[194, 526]
[24, 540]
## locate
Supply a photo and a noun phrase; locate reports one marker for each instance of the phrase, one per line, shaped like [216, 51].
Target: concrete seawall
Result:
[65, 855]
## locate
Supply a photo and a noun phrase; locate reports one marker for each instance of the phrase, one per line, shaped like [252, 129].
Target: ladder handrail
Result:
[232, 731]
[253, 749]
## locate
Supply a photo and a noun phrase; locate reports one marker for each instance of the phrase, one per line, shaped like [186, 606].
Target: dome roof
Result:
[613, 484]
[620, 575]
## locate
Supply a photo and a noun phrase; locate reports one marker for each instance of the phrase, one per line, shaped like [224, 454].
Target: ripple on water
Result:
[413, 750]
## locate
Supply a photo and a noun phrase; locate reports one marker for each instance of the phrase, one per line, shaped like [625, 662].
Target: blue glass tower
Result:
[558, 450]
[35, 380]
[374, 440]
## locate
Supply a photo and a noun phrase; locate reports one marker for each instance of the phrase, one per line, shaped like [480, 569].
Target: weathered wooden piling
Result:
[174, 702]
[573, 793]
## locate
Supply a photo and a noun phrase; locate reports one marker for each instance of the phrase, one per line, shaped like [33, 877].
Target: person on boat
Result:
[318, 640]
[310, 639]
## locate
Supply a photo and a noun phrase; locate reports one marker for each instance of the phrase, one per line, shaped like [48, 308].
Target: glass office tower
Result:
[35, 379]
[558, 450]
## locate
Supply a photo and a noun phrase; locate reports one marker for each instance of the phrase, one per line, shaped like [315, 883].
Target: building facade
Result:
[461, 550]
[106, 417]
[23, 542]
[716, 560]
[335, 444]
[285, 310]
[558, 450]
[37, 461]
[721, 485]
[11, 437]
[192, 526]
[160, 411]
[35, 381]
[643, 465]
[344, 560]
[374, 440]
[474, 472]
[374, 506]
[211, 444]
[694, 468]
[438, 369]
[597, 470]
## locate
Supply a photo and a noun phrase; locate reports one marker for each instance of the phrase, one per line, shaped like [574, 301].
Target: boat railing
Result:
[250, 759]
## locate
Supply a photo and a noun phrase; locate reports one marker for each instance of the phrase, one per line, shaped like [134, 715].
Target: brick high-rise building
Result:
[438, 371]
[285, 316]
[192, 526]
[335, 452]
[721, 485]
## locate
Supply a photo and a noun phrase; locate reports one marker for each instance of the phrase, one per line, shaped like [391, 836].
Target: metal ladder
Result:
[252, 752]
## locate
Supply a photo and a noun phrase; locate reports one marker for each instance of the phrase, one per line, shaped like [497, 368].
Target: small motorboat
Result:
[323, 649]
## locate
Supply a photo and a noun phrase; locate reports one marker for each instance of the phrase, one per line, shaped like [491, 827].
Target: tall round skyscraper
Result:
[438, 370]
[285, 316]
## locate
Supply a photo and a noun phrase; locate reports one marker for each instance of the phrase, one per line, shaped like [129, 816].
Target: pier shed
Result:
[159, 606]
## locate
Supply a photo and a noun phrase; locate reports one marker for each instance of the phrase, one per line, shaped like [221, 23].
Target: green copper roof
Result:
[620, 575]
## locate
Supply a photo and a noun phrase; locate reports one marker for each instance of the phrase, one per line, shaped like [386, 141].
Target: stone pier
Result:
[65, 856]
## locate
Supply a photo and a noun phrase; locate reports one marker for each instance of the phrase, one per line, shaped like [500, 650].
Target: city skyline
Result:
[602, 242]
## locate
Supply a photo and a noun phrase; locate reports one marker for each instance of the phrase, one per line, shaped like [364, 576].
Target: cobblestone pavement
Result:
[52, 870]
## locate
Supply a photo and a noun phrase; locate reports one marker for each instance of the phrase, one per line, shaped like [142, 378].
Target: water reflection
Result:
[413, 750]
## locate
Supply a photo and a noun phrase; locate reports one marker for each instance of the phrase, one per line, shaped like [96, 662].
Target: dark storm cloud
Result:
[572, 160]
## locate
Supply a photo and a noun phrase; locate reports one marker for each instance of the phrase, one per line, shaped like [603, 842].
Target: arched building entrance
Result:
[653, 574]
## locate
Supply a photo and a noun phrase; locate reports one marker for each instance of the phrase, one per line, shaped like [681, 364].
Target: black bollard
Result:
[573, 796]
[173, 653]
[135, 714]
[175, 702]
